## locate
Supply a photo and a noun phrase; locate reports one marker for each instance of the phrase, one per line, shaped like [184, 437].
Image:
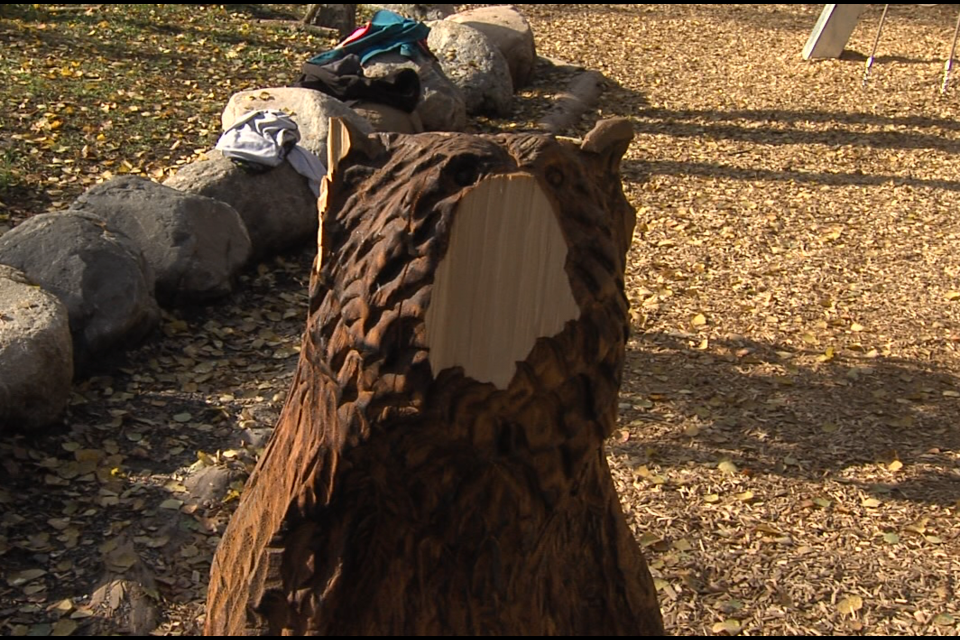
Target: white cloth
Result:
[269, 137]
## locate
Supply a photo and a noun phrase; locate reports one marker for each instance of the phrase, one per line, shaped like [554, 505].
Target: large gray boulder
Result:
[441, 106]
[475, 65]
[310, 109]
[385, 118]
[36, 354]
[418, 11]
[195, 245]
[277, 206]
[511, 34]
[98, 273]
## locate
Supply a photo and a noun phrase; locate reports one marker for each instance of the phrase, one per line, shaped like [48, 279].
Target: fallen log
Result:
[581, 96]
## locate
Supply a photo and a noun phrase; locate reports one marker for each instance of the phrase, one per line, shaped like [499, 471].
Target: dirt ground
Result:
[790, 444]
[789, 451]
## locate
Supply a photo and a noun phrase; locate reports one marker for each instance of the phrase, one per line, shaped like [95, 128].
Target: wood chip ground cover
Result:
[789, 448]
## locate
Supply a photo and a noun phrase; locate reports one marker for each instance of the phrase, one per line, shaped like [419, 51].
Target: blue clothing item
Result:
[388, 31]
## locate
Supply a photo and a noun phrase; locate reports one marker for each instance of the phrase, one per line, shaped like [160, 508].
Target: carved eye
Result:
[555, 177]
[463, 170]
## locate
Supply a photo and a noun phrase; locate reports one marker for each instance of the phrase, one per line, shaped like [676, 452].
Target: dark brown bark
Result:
[394, 499]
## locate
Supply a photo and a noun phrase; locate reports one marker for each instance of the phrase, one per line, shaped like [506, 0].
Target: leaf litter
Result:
[793, 292]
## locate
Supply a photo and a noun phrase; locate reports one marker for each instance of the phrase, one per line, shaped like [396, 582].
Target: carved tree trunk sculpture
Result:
[438, 467]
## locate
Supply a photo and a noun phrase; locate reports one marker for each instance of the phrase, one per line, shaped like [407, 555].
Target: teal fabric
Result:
[388, 32]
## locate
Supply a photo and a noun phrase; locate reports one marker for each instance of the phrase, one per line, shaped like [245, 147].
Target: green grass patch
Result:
[91, 91]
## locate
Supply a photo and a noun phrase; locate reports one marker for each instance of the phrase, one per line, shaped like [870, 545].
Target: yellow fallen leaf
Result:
[768, 530]
[944, 620]
[896, 465]
[952, 295]
[698, 320]
[856, 326]
[648, 539]
[63, 607]
[64, 627]
[871, 503]
[850, 605]
[122, 559]
[730, 626]
[727, 467]
[919, 527]
[24, 577]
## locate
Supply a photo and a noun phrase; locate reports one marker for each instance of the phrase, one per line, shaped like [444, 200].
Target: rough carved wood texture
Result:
[397, 500]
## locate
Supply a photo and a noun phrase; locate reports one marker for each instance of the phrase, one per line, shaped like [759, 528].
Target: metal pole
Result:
[876, 41]
[949, 62]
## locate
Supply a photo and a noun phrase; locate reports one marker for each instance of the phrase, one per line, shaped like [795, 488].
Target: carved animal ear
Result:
[605, 145]
[609, 139]
[344, 138]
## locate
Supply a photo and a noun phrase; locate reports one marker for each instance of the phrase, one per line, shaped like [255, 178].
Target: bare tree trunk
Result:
[311, 14]
[438, 467]
[341, 17]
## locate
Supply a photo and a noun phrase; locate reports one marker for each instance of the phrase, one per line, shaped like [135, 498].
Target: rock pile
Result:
[79, 285]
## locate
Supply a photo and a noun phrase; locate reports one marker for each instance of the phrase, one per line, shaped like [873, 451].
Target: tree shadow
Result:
[764, 127]
[838, 179]
[851, 55]
[795, 116]
[774, 409]
[781, 128]
[172, 410]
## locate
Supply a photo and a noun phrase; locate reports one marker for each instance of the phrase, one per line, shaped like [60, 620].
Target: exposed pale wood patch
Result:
[502, 282]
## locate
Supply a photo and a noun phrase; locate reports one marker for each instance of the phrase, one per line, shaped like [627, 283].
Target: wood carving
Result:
[438, 467]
